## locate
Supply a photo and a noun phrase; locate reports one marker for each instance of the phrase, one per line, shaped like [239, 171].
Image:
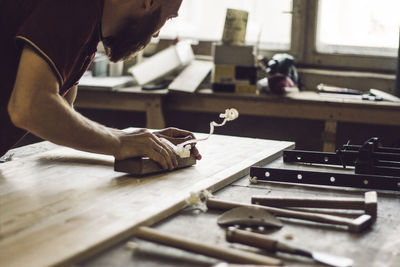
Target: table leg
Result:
[154, 114]
[329, 136]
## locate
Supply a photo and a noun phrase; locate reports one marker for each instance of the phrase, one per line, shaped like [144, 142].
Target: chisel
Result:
[272, 245]
[227, 254]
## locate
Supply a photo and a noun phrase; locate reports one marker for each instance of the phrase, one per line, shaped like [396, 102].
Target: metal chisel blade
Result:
[331, 260]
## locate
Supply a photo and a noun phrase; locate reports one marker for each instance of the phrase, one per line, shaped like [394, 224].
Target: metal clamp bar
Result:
[342, 157]
[316, 157]
[326, 178]
[378, 149]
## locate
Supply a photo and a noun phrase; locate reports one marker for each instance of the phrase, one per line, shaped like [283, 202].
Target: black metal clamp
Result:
[376, 167]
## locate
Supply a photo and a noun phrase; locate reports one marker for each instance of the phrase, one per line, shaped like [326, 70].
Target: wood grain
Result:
[141, 166]
[61, 206]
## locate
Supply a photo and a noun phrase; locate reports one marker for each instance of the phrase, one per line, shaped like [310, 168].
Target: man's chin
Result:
[126, 54]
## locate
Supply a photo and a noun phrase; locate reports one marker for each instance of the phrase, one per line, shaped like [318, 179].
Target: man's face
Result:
[137, 32]
[170, 10]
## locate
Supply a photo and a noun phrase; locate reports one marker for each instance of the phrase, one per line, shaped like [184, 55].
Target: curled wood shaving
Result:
[183, 149]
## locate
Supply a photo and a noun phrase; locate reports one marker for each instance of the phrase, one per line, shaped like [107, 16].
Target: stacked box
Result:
[234, 69]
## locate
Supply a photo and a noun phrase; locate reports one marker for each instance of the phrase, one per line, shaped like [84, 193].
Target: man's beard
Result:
[133, 37]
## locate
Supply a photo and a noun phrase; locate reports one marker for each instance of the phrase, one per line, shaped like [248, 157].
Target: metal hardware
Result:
[249, 217]
[326, 178]
[369, 158]
[376, 167]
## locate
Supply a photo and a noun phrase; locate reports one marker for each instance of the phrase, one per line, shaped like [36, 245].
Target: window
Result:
[366, 27]
[204, 19]
[352, 34]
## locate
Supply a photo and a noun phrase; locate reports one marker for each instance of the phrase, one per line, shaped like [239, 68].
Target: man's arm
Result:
[36, 106]
[71, 95]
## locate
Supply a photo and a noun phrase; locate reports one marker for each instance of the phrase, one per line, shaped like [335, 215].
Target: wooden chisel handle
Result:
[326, 203]
[234, 235]
[227, 254]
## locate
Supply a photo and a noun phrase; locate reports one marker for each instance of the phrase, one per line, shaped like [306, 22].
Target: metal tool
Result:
[371, 95]
[354, 225]
[263, 242]
[369, 158]
[369, 204]
[325, 178]
[249, 217]
[227, 254]
[375, 167]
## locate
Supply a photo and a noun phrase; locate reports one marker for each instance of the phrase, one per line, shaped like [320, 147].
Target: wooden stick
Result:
[368, 203]
[227, 254]
[354, 225]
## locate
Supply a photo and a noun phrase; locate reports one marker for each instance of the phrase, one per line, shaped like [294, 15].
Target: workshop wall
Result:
[306, 133]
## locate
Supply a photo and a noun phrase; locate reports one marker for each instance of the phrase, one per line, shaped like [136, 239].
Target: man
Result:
[46, 47]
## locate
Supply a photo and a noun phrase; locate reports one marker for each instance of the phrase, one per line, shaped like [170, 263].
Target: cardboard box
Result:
[234, 74]
[233, 55]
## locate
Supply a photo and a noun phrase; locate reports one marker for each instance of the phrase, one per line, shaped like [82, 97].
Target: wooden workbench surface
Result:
[379, 246]
[376, 247]
[58, 207]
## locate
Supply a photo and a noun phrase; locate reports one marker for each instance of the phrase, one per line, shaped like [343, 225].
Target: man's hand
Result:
[144, 143]
[177, 136]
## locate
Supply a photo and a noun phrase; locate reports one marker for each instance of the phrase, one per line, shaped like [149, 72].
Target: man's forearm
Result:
[64, 126]
[36, 105]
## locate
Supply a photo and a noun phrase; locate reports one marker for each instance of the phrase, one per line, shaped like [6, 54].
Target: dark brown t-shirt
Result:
[63, 32]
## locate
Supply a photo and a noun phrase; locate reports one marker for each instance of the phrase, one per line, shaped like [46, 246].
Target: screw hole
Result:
[299, 176]
[298, 158]
[267, 174]
[326, 159]
[366, 182]
[333, 179]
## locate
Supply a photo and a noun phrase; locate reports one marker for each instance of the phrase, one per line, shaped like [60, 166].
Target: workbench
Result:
[302, 105]
[62, 205]
[378, 246]
[127, 99]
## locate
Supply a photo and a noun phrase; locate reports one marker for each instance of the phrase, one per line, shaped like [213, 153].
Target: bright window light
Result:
[368, 27]
[269, 21]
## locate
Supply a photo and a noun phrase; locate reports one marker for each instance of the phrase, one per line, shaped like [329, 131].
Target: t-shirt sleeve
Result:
[58, 31]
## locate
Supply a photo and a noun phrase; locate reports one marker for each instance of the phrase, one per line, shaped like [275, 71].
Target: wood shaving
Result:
[253, 180]
[183, 150]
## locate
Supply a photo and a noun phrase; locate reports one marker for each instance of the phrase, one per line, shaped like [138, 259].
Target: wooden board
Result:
[140, 166]
[61, 206]
[191, 77]
[105, 83]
